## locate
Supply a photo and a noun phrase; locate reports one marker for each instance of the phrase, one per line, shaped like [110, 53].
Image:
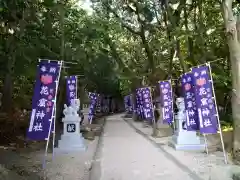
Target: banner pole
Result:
[49, 133]
[47, 144]
[76, 86]
[173, 119]
[153, 114]
[206, 144]
[90, 122]
[55, 111]
[219, 125]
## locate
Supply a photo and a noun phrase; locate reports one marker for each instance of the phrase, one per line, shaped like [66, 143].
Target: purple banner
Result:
[147, 103]
[98, 106]
[126, 103]
[44, 99]
[207, 112]
[166, 101]
[93, 102]
[130, 104]
[138, 105]
[187, 81]
[141, 103]
[71, 83]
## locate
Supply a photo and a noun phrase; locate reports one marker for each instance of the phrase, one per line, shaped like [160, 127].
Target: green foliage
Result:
[35, 29]
[117, 46]
[150, 30]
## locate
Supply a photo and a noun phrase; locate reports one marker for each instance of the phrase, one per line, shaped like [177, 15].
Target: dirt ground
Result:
[214, 141]
[22, 161]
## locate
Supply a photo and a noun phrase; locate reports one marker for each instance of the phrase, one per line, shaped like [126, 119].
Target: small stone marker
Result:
[71, 139]
[183, 139]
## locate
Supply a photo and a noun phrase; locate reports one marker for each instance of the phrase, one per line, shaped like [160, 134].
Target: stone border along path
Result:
[199, 165]
[127, 152]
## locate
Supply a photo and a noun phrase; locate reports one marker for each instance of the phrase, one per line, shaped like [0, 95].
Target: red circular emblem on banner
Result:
[49, 103]
[187, 87]
[50, 97]
[201, 81]
[46, 79]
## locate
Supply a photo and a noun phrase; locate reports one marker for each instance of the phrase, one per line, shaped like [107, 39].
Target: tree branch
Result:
[230, 21]
[123, 24]
[109, 9]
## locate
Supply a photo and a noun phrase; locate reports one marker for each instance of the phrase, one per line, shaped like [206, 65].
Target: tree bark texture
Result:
[232, 32]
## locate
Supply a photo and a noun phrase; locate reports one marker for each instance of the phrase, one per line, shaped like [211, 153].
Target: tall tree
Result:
[232, 25]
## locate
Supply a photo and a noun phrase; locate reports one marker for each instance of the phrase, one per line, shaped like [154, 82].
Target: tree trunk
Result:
[232, 29]
[62, 85]
[7, 95]
[179, 54]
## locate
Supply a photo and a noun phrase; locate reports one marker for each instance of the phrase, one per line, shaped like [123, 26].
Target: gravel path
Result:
[73, 166]
[126, 155]
[198, 165]
[126, 151]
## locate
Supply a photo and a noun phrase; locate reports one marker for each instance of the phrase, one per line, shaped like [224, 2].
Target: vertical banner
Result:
[71, 83]
[98, 108]
[207, 111]
[187, 81]
[125, 103]
[166, 96]
[141, 103]
[147, 103]
[102, 104]
[44, 100]
[93, 102]
[138, 102]
[130, 103]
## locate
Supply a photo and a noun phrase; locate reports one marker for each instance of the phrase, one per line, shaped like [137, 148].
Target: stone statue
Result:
[183, 139]
[75, 104]
[68, 111]
[181, 114]
[71, 139]
[72, 109]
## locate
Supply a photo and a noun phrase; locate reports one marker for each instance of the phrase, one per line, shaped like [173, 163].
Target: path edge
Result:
[168, 155]
[95, 165]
